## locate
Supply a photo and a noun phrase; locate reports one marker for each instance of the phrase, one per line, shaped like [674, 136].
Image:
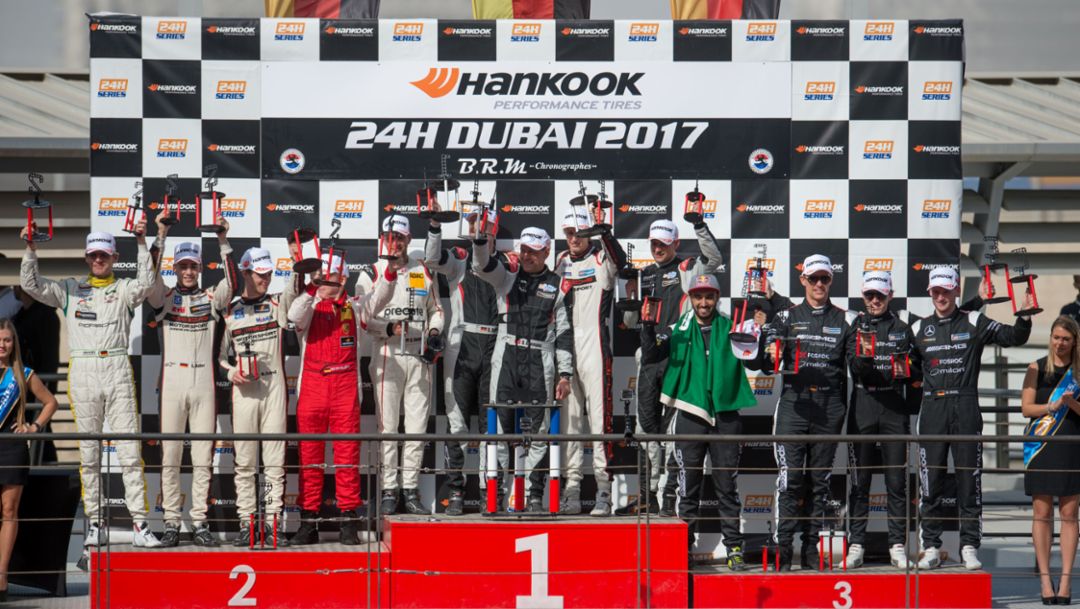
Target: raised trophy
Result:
[35, 207]
[208, 208]
[438, 200]
[626, 301]
[599, 212]
[308, 255]
[1023, 277]
[333, 253]
[694, 206]
[992, 263]
[170, 203]
[136, 211]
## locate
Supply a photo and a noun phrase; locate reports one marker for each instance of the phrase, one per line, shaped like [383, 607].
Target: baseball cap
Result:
[747, 350]
[187, 251]
[258, 260]
[535, 238]
[877, 281]
[704, 282]
[100, 242]
[664, 231]
[334, 265]
[816, 263]
[396, 223]
[576, 219]
[944, 278]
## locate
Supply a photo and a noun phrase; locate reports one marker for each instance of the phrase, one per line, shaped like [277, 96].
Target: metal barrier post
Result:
[1001, 417]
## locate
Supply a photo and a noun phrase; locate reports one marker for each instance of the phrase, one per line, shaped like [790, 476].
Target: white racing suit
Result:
[101, 386]
[400, 379]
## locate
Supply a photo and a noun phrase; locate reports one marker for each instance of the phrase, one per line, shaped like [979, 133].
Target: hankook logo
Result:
[440, 82]
[643, 209]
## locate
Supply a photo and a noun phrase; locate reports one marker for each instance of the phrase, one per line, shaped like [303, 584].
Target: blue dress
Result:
[14, 454]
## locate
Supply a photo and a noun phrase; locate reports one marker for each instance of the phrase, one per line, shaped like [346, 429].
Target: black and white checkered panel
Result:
[859, 122]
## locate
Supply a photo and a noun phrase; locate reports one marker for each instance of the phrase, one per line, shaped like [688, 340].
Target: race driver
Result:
[327, 322]
[589, 269]
[402, 375]
[470, 342]
[534, 347]
[948, 349]
[667, 281]
[98, 310]
[812, 400]
[187, 317]
[255, 325]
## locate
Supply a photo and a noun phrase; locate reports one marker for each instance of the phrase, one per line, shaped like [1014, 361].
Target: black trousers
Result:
[955, 415]
[804, 416]
[472, 387]
[724, 458]
[877, 413]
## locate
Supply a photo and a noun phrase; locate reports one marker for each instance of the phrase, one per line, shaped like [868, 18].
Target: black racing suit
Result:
[534, 345]
[811, 402]
[881, 404]
[949, 351]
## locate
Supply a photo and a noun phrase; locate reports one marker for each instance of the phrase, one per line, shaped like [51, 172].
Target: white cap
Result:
[535, 238]
[396, 223]
[100, 242]
[747, 350]
[187, 251]
[943, 278]
[664, 231]
[877, 281]
[576, 219]
[257, 259]
[815, 264]
[334, 265]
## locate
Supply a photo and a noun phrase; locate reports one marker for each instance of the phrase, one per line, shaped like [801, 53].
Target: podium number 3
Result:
[844, 588]
[240, 599]
[538, 594]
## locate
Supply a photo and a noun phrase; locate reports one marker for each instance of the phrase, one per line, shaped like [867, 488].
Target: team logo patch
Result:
[761, 161]
[262, 308]
[961, 336]
[828, 330]
[930, 330]
[292, 161]
[896, 337]
[238, 314]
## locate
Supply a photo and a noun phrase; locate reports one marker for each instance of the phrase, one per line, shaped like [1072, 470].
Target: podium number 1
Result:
[538, 594]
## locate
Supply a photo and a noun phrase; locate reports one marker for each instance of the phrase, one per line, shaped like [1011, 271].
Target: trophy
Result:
[651, 305]
[36, 206]
[755, 287]
[308, 255]
[171, 202]
[779, 360]
[900, 362]
[627, 302]
[992, 264]
[334, 251]
[1023, 277]
[629, 422]
[481, 218]
[384, 239]
[582, 206]
[599, 212]
[694, 206]
[247, 361]
[865, 340]
[758, 274]
[208, 219]
[135, 210]
[430, 204]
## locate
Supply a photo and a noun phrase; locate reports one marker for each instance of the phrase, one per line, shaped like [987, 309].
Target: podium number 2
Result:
[844, 588]
[538, 594]
[240, 599]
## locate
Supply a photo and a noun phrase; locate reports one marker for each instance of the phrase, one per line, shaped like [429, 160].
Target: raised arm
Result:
[229, 285]
[451, 263]
[490, 270]
[45, 291]
[435, 317]
[997, 333]
[370, 303]
[294, 286]
[302, 309]
[711, 257]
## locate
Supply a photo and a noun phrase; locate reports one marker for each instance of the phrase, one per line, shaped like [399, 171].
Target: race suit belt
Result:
[530, 343]
[945, 393]
[328, 369]
[98, 353]
[479, 328]
[886, 389]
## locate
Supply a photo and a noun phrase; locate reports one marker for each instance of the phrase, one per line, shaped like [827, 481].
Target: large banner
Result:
[832, 137]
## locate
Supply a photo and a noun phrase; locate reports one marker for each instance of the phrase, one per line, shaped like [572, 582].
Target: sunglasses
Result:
[98, 256]
[874, 296]
[822, 279]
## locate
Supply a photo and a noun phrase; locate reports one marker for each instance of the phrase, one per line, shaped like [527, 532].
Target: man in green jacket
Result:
[706, 384]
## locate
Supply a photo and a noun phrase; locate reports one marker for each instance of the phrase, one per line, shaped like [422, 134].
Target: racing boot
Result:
[389, 503]
[203, 537]
[348, 535]
[635, 506]
[243, 540]
[667, 508]
[455, 505]
[536, 504]
[786, 554]
[570, 505]
[171, 537]
[413, 504]
[308, 533]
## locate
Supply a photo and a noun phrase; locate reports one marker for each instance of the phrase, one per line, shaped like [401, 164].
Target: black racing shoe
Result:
[786, 554]
[667, 510]
[811, 560]
[389, 503]
[735, 560]
[282, 540]
[348, 535]
[455, 506]
[633, 507]
[171, 537]
[84, 560]
[243, 540]
[308, 533]
[413, 504]
[536, 505]
[203, 537]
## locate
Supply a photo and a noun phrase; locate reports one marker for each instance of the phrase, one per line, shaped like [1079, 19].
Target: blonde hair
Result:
[17, 369]
[1071, 327]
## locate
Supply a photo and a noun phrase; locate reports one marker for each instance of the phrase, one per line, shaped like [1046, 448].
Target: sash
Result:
[1048, 424]
[9, 395]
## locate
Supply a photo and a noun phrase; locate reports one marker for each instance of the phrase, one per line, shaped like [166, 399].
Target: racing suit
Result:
[880, 405]
[101, 386]
[470, 343]
[260, 406]
[329, 396]
[592, 278]
[188, 321]
[811, 402]
[949, 351]
[402, 378]
[667, 283]
[534, 344]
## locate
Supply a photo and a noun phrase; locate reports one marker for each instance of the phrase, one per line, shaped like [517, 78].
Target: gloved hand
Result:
[434, 349]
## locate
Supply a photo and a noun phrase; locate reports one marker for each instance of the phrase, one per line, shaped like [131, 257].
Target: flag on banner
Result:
[531, 9]
[725, 9]
[323, 9]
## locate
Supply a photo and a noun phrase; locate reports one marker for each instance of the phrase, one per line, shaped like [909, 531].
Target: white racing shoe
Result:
[898, 557]
[855, 555]
[95, 536]
[970, 557]
[931, 559]
[144, 537]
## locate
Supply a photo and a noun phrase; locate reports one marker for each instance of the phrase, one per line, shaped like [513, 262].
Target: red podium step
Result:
[323, 576]
[540, 562]
[865, 587]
